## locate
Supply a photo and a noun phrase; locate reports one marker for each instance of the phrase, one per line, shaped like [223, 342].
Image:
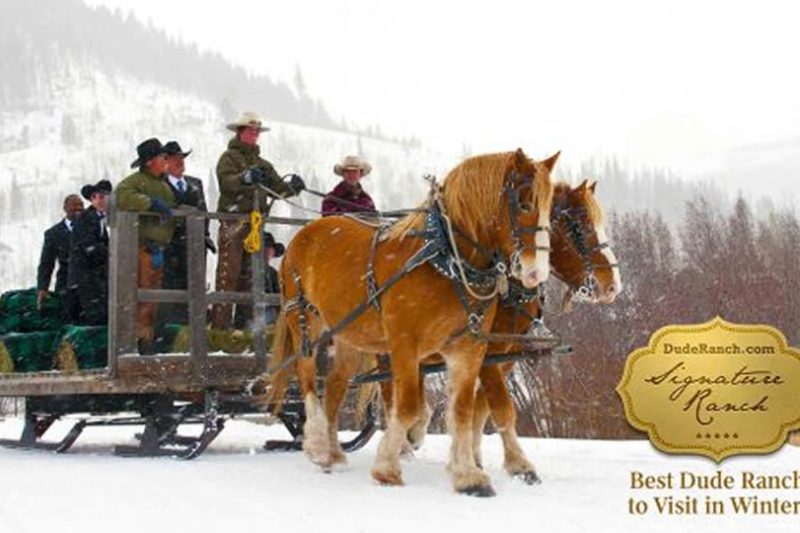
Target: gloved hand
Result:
[296, 183]
[253, 176]
[160, 206]
[210, 246]
[157, 258]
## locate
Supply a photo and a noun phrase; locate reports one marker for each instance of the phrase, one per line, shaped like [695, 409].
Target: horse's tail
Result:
[280, 369]
[367, 392]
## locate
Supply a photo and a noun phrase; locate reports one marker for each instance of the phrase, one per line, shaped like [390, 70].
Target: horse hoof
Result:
[387, 478]
[479, 491]
[529, 478]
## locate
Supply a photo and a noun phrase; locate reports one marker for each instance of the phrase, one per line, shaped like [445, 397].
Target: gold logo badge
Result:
[715, 389]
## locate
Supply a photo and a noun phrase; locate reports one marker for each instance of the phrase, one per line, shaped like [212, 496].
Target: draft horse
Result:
[581, 257]
[420, 288]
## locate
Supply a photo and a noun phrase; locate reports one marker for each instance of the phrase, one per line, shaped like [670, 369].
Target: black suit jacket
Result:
[55, 249]
[88, 260]
[193, 196]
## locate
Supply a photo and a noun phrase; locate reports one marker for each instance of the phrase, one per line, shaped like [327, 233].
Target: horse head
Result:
[582, 255]
[524, 236]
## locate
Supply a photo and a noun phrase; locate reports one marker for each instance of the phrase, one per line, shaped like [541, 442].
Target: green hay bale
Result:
[82, 347]
[30, 352]
[6, 362]
[19, 313]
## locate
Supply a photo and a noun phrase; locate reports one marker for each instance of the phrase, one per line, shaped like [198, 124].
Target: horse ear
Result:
[581, 186]
[520, 158]
[550, 162]
[593, 186]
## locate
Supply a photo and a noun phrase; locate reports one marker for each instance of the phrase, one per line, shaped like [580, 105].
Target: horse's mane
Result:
[593, 208]
[473, 191]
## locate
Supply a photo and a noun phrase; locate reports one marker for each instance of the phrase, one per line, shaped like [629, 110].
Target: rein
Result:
[441, 251]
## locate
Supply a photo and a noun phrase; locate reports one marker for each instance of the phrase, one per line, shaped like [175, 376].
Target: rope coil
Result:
[252, 243]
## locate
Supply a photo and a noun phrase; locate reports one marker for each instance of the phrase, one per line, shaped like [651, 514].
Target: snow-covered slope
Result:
[236, 487]
[86, 126]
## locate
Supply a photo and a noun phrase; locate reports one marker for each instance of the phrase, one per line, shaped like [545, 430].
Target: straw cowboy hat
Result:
[352, 161]
[247, 120]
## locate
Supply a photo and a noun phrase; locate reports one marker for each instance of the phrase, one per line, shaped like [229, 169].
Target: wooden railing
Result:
[124, 294]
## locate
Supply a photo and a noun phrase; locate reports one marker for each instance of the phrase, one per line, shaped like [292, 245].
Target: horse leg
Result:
[404, 412]
[504, 417]
[420, 428]
[479, 419]
[315, 431]
[468, 478]
[345, 366]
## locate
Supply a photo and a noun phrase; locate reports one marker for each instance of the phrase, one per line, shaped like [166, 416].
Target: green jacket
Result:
[236, 197]
[134, 193]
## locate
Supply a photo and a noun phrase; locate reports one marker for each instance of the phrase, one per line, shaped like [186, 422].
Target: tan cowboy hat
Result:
[352, 161]
[248, 119]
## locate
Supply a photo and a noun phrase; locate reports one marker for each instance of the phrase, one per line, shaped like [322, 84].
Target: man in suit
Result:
[188, 192]
[88, 258]
[56, 250]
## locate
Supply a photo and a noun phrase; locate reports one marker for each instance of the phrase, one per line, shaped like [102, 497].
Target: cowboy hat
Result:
[173, 148]
[146, 151]
[352, 161]
[269, 242]
[248, 119]
[102, 186]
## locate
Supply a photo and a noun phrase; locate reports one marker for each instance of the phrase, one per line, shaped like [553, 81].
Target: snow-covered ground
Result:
[235, 487]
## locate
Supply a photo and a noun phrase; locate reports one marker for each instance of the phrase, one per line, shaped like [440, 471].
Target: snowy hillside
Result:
[86, 127]
[236, 487]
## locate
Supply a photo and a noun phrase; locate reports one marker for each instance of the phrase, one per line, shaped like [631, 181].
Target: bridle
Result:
[577, 235]
[512, 189]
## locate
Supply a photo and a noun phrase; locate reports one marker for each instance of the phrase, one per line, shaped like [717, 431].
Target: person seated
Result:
[88, 258]
[55, 249]
[348, 196]
[244, 313]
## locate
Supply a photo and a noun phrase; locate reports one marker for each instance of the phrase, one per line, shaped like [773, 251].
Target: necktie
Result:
[181, 186]
[102, 224]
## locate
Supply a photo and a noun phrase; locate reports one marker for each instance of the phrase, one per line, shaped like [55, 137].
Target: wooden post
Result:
[196, 277]
[259, 305]
[122, 284]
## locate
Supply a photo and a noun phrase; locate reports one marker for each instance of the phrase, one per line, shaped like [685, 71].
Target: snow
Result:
[113, 112]
[237, 487]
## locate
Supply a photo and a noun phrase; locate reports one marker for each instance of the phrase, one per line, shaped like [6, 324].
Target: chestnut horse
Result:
[581, 257]
[498, 202]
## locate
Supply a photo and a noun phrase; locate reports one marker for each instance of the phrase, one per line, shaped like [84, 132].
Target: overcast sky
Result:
[660, 83]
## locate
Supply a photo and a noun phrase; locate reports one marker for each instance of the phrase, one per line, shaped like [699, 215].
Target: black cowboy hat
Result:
[103, 186]
[269, 242]
[147, 151]
[173, 148]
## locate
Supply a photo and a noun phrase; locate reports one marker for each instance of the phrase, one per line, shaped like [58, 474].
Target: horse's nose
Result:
[531, 279]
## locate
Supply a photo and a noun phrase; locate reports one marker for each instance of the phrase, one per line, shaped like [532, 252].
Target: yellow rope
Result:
[252, 243]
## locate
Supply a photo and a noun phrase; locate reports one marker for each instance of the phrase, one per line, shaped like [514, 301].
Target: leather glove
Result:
[296, 183]
[253, 176]
[210, 246]
[160, 206]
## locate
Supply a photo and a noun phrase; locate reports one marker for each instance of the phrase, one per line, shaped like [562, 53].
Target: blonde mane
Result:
[473, 192]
